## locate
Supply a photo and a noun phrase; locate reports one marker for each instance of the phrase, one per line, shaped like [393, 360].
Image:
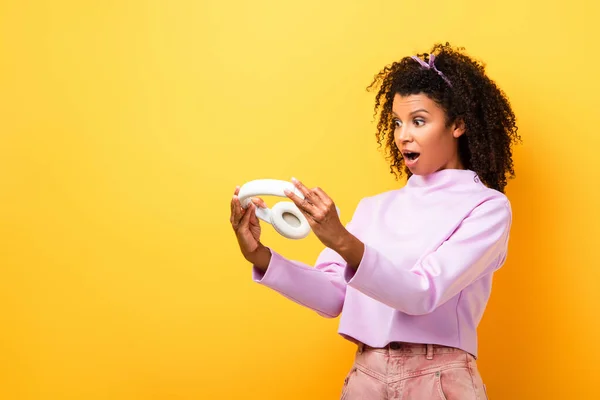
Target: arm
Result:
[478, 246]
[321, 288]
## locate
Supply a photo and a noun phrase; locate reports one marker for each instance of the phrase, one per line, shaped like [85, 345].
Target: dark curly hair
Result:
[472, 97]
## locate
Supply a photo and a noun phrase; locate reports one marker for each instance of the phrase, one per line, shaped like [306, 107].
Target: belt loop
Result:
[360, 348]
[430, 352]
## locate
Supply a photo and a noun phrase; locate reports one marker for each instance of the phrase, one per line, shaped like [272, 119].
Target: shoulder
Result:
[368, 205]
[494, 200]
[492, 209]
[476, 202]
[376, 200]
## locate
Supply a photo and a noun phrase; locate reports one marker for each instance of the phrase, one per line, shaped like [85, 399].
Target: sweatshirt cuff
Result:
[357, 278]
[269, 276]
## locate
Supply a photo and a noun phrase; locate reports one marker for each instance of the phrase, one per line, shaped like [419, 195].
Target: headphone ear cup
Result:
[297, 230]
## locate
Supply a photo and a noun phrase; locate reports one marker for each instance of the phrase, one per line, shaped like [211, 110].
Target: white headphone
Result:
[285, 217]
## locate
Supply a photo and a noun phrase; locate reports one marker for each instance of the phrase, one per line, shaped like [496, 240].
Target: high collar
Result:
[445, 179]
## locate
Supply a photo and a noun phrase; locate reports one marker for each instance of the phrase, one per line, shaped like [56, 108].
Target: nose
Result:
[403, 135]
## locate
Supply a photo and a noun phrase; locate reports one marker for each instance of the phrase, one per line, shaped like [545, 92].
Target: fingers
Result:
[235, 192]
[259, 202]
[309, 195]
[314, 195]
[323, 196]
[253, 220]
[244, 222]
[238, 217]
[303, 204]
[316, 202]
[237, 212]
[303, 189]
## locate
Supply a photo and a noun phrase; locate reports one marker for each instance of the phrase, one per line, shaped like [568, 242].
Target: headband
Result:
[431, 66]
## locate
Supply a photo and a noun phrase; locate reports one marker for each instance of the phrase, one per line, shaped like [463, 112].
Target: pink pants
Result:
[403, 371]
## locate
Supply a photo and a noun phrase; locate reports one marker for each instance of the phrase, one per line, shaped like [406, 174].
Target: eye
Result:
[397, 123]
[419, 122]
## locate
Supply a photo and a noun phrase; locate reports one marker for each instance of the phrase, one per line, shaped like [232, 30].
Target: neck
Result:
[454, 163]
[444, 178]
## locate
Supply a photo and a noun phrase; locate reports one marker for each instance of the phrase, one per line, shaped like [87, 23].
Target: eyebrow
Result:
[414, 112]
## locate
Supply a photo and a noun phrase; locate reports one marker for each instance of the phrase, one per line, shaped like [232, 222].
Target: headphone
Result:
[284, 216]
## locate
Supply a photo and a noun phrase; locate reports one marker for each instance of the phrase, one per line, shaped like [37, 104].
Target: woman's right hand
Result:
[246, 226]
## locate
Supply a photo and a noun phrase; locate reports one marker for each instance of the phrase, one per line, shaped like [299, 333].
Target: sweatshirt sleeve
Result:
[477, 246]
[321, 287]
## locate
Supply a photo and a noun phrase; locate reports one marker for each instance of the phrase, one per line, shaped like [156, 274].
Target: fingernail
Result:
[286, 191]
[294, 179]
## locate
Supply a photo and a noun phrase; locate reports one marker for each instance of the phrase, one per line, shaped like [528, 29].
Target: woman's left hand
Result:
[320, 211]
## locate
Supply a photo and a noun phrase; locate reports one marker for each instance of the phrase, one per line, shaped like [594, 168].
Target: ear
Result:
[458, 128]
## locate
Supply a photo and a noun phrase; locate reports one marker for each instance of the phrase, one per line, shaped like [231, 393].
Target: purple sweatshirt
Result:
[431, 249]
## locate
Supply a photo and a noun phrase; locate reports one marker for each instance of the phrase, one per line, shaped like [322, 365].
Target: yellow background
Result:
[125, 126]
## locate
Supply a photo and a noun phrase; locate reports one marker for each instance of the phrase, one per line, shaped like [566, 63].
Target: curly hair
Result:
[473, 98]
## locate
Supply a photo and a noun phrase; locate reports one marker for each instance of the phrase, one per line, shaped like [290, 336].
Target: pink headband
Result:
[431, 65]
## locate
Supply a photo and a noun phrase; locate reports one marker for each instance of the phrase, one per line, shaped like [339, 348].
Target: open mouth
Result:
[410, 157]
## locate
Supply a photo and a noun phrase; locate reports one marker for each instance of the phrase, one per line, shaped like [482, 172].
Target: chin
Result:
[415, 170]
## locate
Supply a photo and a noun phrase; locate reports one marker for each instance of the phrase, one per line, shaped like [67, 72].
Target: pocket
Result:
[456, 384]
[426, 386]
[438, 384]
[349, 376]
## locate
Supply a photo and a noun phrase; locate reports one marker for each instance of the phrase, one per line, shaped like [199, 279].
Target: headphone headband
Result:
[266, 187]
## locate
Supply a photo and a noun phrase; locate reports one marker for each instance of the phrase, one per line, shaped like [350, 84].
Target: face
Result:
[422, 136]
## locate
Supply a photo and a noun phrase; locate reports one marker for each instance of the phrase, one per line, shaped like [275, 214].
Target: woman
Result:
[411, 273]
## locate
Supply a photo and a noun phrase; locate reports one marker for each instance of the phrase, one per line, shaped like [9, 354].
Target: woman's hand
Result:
[246, 226]
[320, 211]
